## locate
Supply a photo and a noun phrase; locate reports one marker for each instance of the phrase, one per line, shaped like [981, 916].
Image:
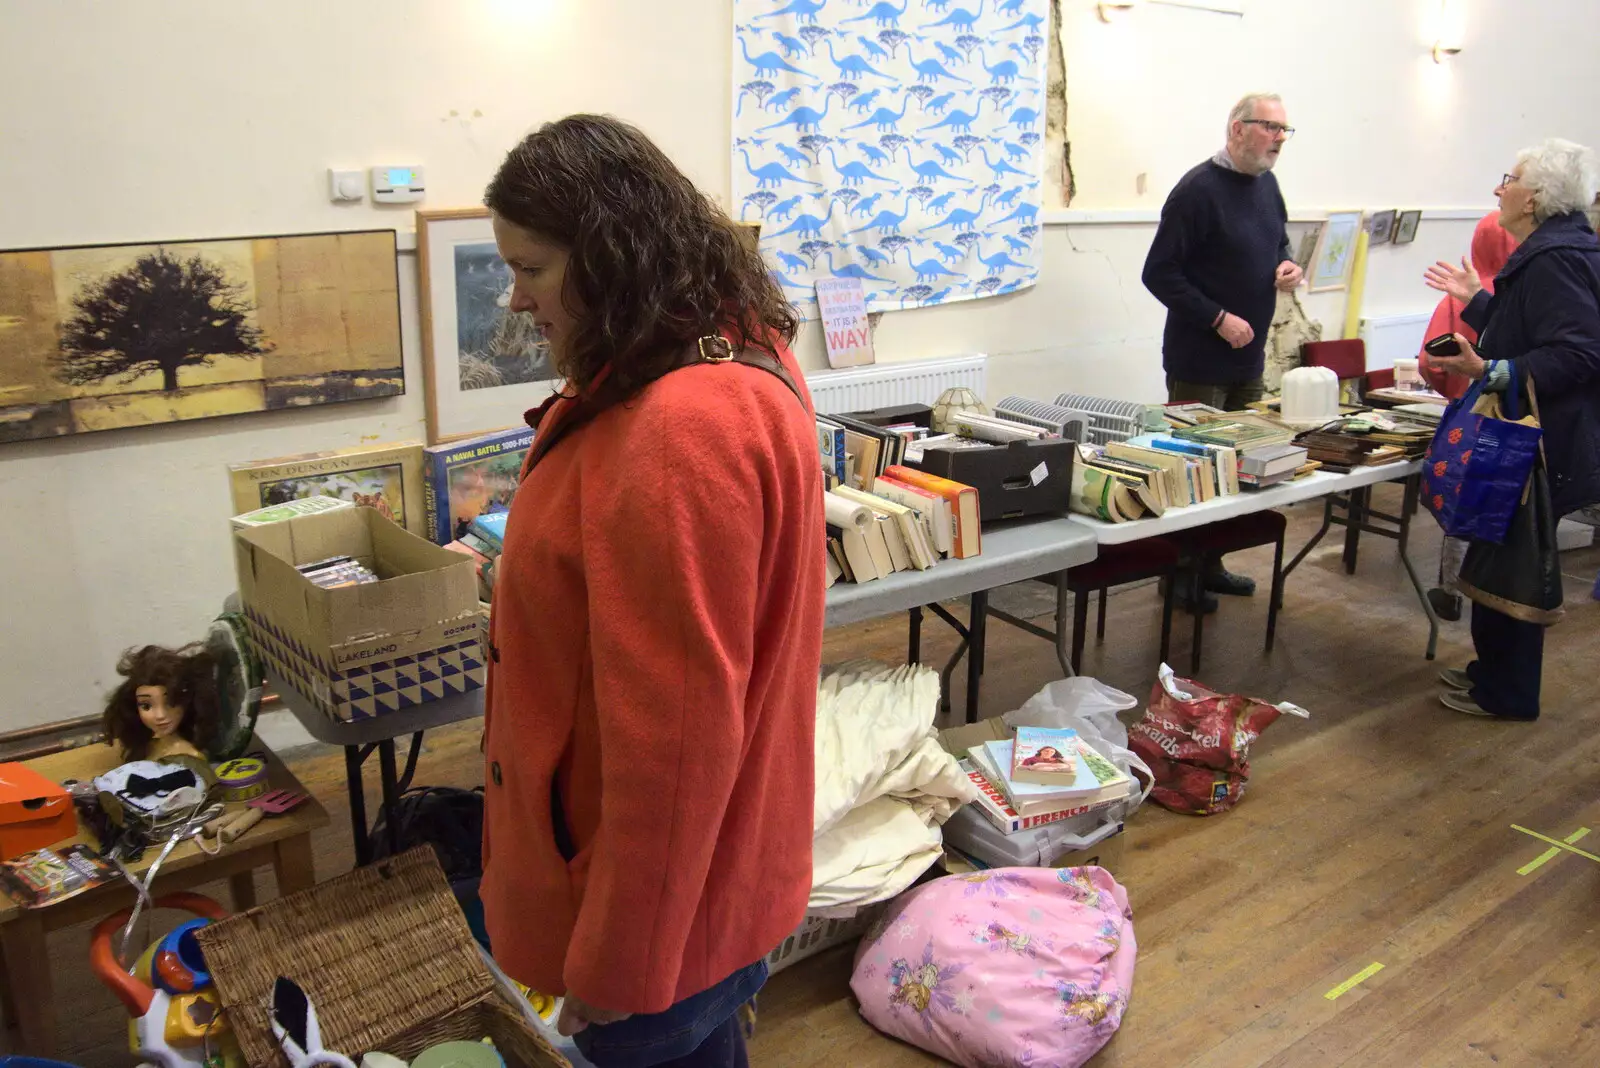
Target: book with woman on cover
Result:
[1045, 756]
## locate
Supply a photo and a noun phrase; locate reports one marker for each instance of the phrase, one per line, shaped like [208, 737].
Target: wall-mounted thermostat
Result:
[397, 185]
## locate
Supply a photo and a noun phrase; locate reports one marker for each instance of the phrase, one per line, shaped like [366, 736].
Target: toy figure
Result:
[167, 705]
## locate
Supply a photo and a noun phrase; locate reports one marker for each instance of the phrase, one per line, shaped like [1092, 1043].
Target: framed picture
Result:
[108, 336]
[1336, 246]
[1405, 228]
[484, 364]
[1380, 228]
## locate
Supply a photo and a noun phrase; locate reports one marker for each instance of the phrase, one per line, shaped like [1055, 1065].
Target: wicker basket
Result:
[386, 958]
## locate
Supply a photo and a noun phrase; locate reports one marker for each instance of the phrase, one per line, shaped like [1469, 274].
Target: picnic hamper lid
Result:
[378, 951]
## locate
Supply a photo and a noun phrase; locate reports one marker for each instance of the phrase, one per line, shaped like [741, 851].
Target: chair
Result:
[1116, 565]
[1211, 542]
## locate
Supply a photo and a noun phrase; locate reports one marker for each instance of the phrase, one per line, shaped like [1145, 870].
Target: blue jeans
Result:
[701, 1031]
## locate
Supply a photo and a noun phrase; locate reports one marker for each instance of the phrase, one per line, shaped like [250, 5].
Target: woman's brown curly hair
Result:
[653, 263]
[189, 675]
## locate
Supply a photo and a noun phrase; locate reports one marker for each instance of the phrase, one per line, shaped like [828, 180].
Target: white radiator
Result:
[1392, 337]
[858, 389]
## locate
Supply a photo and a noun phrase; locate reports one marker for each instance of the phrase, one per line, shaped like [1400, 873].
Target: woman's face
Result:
[538, 273]
[1516, 202]
[154, 712]
[1049, 753]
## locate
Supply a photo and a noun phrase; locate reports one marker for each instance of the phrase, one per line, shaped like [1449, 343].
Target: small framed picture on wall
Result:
[1380, 228]
[1405, 227]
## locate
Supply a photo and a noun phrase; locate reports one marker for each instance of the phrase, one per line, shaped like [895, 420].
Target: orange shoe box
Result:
[35, 812]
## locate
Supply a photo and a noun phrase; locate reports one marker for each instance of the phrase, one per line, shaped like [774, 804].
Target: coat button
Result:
[494, 653]
[494, 772]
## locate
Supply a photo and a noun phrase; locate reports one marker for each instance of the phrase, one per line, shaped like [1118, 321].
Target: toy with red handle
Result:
[177, 1018]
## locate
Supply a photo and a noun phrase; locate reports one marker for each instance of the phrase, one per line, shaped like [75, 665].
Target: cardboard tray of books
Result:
[387, 960]
[360, 650]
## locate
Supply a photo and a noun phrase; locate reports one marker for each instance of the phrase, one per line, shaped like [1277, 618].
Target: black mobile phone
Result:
[1443, 345]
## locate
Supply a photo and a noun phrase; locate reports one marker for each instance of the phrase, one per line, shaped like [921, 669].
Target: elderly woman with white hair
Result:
[1542, 325]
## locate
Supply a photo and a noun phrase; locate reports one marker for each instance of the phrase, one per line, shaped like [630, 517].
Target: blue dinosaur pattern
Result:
[895, 141]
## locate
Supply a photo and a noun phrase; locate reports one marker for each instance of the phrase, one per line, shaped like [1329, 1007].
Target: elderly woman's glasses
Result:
[1508, 179]
[1273, 128]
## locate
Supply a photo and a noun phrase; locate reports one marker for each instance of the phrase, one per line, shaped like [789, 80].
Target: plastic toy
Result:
[177, 1018]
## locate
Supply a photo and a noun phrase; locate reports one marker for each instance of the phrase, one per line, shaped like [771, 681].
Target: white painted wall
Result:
[188, 118]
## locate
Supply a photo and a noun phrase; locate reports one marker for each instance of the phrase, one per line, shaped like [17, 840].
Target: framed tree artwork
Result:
[108, 336]
[1336, 246]
[484, 364]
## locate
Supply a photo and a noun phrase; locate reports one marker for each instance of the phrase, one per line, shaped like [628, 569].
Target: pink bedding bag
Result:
[1009, 966]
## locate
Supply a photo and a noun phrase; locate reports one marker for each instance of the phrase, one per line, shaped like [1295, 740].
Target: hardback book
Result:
[1045, 756]
[831, 447]
[472, 477]
[385, 477]
[968, 537]
[1271, 460]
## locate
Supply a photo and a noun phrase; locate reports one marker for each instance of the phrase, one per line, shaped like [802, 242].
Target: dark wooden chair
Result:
[1118, 565]
[1204, 545]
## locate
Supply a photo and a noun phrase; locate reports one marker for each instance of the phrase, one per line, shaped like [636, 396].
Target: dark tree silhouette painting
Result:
[161, 314]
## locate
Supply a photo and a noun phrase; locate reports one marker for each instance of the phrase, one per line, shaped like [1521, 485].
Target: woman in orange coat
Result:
[658, 609]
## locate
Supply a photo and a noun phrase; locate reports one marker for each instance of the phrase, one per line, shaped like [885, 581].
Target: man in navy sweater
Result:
[1219, 257]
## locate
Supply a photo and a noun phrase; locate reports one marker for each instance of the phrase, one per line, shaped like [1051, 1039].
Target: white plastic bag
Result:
[1089, 707]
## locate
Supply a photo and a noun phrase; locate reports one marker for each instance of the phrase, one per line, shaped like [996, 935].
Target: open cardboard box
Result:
[1106, 853]
[387, 960]
[359, 651]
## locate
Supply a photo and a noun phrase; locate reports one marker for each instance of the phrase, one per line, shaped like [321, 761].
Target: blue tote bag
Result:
[1477, 467]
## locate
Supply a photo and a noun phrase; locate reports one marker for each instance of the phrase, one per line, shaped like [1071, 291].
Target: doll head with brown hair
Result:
[167, 704]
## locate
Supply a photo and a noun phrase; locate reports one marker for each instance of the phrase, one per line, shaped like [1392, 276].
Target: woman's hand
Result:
[1467, 362]
[1461, 282]
[576, 1014]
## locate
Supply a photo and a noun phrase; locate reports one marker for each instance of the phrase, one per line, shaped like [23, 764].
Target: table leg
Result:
[1327, 522]
[914, 637]
[1359, 500]
[242, 888]
[391, 791]
[1408, 508]
[360, 836]
[293, 864]
[1068, 662]
[27, 961]
[976, 628]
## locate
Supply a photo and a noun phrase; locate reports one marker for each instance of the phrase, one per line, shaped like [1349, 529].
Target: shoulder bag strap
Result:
[709, 349]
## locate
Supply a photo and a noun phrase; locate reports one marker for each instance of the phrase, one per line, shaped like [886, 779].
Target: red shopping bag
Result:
[1197, 743]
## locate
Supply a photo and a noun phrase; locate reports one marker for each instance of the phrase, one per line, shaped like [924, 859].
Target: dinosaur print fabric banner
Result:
[895, 142]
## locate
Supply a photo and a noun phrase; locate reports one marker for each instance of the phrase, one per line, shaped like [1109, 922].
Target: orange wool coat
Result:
[655, 642]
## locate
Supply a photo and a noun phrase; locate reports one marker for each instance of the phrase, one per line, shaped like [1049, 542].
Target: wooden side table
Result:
[281, 842]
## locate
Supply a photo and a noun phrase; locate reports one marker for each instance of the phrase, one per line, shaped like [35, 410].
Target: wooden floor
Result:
[1380, 832]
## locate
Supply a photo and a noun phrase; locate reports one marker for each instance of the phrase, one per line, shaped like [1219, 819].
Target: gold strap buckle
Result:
[714, 349]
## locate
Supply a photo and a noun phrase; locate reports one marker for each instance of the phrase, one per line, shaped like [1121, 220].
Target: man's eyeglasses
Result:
[1273, 128]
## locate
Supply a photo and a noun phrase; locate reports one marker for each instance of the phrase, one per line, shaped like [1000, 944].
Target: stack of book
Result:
[483, 541]
[338, 571]
[1041, 776]
[908, 522]
[856, 451]
[1265, 448]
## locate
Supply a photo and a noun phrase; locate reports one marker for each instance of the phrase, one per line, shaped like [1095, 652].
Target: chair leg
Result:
[1166, 616]
[1197, 590]
[1100, 621]
[1080, 623]
[1277, 593]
